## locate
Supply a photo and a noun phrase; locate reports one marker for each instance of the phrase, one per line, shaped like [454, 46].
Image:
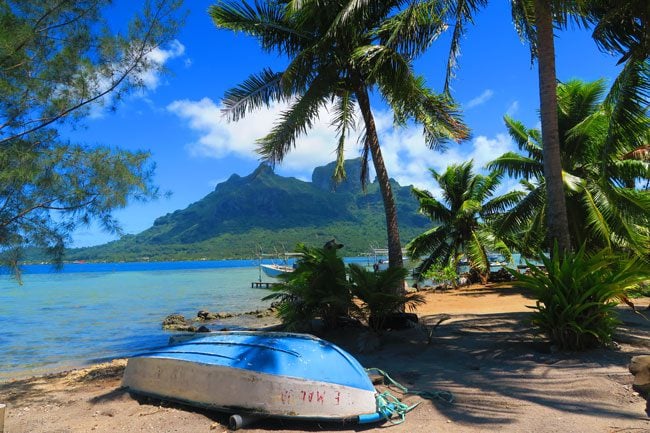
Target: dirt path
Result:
[503, 379]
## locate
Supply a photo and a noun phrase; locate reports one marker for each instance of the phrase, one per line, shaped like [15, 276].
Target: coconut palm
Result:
[604, 207]
[622, 27]
[534, 21]
[341, 68]
[461, 219]
[618, 27]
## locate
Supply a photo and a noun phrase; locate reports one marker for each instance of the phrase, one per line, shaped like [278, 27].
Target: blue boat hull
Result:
[266, 373]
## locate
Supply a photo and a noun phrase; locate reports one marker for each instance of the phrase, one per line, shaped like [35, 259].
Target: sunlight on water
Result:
[71, 318]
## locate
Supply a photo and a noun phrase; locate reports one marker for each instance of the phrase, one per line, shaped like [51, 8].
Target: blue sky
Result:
[177, 116]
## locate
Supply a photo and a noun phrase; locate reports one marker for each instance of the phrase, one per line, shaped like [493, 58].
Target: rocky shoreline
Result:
[206, 321]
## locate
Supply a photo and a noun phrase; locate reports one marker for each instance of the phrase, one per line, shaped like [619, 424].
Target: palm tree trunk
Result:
[557, 222]
[392, 229]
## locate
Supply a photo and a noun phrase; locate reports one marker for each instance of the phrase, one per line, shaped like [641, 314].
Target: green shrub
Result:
[576, 294]
[317, 288]
[376, 291]
[444, 275]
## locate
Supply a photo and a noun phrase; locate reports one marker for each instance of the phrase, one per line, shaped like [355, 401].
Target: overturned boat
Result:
[258, 373]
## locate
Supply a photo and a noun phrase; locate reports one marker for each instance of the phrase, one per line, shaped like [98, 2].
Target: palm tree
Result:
[622, 27]
[556, 215]
[461, 219]
[604, 207]
[618, 27]
[340, 67]
[330, 63]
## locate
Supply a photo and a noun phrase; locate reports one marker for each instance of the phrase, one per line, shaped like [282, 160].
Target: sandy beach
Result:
[502, 377]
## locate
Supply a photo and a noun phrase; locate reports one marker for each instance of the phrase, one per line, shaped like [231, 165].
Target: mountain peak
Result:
[264, 169]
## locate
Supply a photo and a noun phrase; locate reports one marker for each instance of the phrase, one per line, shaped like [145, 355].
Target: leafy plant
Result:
[605, 206]
[446, 275]
[376, 292]
[317, 288]
[576, 294]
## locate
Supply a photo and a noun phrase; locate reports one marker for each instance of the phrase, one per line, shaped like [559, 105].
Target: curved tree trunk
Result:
[392, 229]
[557, 222]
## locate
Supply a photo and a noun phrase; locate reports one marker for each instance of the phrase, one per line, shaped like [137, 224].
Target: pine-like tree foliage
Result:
[57, 61]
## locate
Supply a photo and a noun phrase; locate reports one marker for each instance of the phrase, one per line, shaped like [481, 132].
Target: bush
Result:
[376, 291]
[577, 292]
[443, 275]
[317, 288]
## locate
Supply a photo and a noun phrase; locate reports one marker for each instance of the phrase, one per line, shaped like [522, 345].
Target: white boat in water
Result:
[258, 373]
[281, 264]
[275, 271]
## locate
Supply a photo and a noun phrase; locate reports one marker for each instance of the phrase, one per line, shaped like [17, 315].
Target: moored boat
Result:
[258, 373]
[275, 271]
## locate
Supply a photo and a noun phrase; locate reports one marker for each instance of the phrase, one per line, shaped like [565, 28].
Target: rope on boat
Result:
[391, 407]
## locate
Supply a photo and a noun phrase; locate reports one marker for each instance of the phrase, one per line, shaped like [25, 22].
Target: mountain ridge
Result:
[263, 210]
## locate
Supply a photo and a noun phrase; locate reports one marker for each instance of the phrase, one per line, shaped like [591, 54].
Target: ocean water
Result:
[92, 312]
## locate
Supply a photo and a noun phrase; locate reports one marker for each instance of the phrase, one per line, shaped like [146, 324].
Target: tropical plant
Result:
[337, 54]
[317, 288]
[534, 22]
[605, 208]
[622, 27]
[461, 219]
[57, 60]
[376, 292]
[576, 294]
[445, 275]
[619, 27]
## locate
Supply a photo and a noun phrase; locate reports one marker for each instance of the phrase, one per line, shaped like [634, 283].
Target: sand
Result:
[502, 376]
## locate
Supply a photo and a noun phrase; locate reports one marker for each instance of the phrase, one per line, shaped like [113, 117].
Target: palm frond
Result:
[344, 121]
[527, 140]
[514, 164]
[524, 20]
[412, 30]
[626, 106]
[427, 242]
[433, 209]
[295, 121]
[266, 21]
[502, 203]
[257, 91]
[461, 12]
[409, 97]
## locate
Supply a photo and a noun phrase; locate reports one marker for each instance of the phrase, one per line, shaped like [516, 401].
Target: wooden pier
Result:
[261, 285]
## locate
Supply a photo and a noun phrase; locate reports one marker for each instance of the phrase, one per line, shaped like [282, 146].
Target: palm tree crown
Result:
[461, 219]
[336, 60]
[605, 209]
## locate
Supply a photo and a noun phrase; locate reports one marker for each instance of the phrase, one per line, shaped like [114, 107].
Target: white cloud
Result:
[219, 138]
[158, 57]
[151, 78]
[513, 108]
[405, 153]
[408, 159]
[480, 99]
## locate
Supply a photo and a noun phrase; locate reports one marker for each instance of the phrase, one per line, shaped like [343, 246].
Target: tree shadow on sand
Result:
[498, 369]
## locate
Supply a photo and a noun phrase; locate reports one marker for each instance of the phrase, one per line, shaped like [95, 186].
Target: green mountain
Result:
[272, 213]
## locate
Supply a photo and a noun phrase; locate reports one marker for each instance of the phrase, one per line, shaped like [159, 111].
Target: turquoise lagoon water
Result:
[92, 312]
